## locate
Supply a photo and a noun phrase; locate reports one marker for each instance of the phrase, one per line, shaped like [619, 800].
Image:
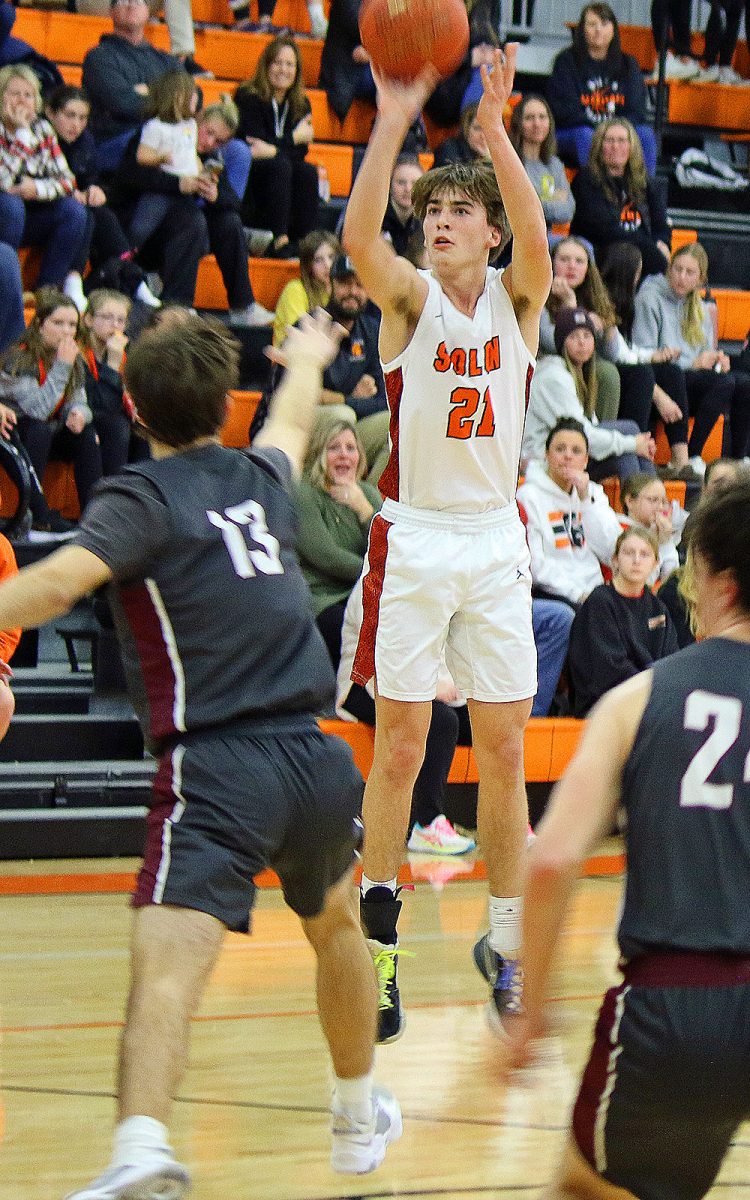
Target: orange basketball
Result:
[402, 36]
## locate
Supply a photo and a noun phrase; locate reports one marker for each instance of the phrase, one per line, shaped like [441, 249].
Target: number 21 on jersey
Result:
[726, 712]
[468, 417]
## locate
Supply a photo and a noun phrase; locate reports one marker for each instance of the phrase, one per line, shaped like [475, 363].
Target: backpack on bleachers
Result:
[696, 169]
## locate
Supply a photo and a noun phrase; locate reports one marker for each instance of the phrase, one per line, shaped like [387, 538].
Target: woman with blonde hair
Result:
[37, 202]
[616, 201]
[576, 283]
[317, 254]
[335, 506]
[670, 311]
[565, 385]
[276, 123]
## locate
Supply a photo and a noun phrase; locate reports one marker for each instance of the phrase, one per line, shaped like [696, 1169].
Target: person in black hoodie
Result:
[622, 628]
[617, 202]
[594, 80]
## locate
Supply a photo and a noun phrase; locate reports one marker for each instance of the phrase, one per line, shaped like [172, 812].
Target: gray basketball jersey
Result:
[686, 789]
[209, 602]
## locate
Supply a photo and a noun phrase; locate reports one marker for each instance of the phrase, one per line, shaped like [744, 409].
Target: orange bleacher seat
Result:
[711, 450]
[674, 488]
[71, 73]
[355, 128]
[30, 259]
[734, 313]
[66, 38]
[549, 743]
[337, 161]
[268, 276]
[292, 13]
[715, 105]
[242, 406]
[682, 237]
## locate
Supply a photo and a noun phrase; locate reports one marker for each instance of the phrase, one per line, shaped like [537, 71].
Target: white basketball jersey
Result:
[457, 396]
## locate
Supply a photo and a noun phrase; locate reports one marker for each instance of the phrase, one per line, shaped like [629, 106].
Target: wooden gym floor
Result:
[251, 1118]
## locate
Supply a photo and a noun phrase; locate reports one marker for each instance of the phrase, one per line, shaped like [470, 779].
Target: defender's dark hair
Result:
[178, 373]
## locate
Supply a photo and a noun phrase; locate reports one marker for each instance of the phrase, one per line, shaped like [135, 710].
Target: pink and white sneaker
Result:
[439, 837]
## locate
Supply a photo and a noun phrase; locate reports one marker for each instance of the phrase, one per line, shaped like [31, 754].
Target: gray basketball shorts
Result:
[667, 1083]
[231, 802]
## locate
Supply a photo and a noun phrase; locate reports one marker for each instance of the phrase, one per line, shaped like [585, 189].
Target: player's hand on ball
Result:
[405, 100]
[497, 82]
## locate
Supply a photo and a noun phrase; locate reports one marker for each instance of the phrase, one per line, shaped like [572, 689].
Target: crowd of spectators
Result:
[131, 173]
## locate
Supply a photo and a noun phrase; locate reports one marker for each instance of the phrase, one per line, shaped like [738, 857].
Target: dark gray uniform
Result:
[225, 668]
[668, 1080]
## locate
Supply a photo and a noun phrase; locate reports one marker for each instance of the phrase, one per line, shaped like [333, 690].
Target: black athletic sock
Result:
[378, 912]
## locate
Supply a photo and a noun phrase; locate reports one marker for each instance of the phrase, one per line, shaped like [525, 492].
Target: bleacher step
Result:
[41, 738]
[39, 700]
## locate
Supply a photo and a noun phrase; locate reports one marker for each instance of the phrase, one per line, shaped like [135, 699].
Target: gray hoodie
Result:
[658, 320]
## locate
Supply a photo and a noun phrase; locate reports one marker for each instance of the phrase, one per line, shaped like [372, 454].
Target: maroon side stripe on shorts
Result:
[363, 667]
[166, 807]
[160, 663]
[389, 480]
[597, 1084]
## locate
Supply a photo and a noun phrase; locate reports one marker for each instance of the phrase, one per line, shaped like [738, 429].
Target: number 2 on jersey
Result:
[726, 711]
[462, 419]
[245, 561]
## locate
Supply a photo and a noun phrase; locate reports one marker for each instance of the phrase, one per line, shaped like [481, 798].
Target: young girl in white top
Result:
[169, 141]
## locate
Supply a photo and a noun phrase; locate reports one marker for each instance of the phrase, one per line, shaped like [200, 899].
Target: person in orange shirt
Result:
[9, 639]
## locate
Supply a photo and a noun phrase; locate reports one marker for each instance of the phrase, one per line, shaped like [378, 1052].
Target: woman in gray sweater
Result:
[532, 132]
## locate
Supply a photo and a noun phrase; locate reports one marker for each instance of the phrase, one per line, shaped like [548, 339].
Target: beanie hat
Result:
[569, 319]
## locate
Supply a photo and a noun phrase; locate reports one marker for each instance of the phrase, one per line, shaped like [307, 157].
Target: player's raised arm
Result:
[308, 349]
[530, 274]
[392, 282]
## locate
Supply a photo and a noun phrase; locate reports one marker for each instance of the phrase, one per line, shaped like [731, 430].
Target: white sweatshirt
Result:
[552, 396]
[568, 538]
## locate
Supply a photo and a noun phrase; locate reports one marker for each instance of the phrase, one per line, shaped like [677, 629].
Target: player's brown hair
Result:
[178, 374]
[720, 534]
[476, 181]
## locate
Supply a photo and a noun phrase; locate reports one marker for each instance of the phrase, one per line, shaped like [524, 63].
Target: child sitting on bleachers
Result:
[169, 140]
[104, 325]
[42, 378]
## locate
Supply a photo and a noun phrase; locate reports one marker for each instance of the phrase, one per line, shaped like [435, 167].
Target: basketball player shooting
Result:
[447, 565]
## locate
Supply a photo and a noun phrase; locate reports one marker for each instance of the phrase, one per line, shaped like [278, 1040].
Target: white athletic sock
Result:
[366, 884]
[139, 1139]
[505, 925]
[354, 1097]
